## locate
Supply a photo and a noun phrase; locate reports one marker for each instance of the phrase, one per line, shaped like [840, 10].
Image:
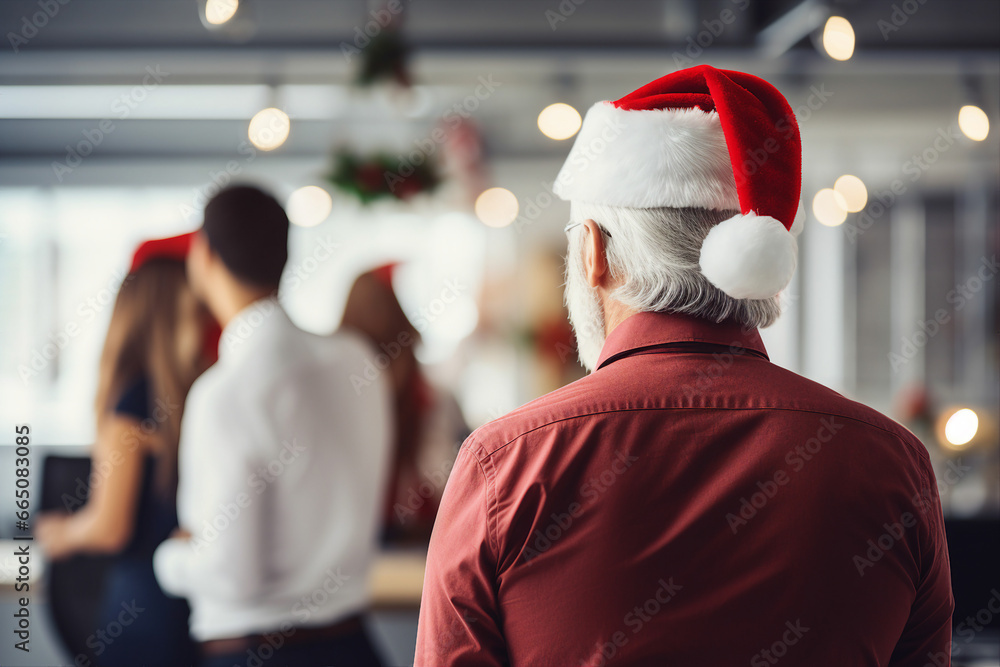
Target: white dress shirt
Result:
[283, 463]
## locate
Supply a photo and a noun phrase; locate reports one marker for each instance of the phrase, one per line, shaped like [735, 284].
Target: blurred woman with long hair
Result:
[428, 422]
[154, 350]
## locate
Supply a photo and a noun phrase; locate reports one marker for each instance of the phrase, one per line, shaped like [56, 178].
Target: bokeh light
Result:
[829, 207]
[218, 12]
[308, 206]
[853, 191]
[838, 38]
[961, 427]
[973, 122]
[269, 128]
[496, 207]
[559, 121]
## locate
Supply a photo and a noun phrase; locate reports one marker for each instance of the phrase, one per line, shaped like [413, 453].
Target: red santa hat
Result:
[174, 247]
[702, 138]
[177, 248]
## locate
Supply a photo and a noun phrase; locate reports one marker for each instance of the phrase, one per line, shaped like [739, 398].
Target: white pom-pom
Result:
[749, 256]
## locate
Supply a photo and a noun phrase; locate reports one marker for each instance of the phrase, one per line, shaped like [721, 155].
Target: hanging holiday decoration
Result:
[382, 176]
[384, 57]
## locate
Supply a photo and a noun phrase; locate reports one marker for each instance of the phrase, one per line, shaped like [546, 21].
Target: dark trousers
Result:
[350, 650]
[157, 631]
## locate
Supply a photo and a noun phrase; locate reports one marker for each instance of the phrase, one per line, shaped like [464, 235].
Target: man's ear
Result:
[595, 260]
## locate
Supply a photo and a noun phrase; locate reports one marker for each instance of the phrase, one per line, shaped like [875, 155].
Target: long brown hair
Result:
[150, 336]
[373, 310]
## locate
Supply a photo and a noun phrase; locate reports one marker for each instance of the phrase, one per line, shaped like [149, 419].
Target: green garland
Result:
[381, 176]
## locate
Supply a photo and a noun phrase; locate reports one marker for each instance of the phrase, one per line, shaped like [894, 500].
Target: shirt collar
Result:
[242, 333]
[646, 330]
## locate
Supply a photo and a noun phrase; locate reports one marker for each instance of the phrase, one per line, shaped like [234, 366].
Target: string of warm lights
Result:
[498, 207]
[849, 194]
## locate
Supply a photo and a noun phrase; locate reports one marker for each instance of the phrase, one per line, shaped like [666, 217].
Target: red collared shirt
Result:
[688, 503]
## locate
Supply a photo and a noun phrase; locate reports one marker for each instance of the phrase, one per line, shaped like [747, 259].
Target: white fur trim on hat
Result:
[645, 159]
[749, 256]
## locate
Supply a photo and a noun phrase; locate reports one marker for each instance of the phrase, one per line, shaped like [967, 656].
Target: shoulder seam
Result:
[486, 454]
[490, 489]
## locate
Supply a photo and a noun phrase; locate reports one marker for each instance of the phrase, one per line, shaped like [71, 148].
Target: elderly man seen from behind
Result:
[688, 502]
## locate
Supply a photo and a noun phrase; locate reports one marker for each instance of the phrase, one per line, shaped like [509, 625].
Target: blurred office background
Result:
[118, 119]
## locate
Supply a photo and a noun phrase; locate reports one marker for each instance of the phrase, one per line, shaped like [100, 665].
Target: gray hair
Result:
[654, 255]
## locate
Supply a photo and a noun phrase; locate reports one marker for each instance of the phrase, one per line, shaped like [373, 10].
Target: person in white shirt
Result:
[282, 467]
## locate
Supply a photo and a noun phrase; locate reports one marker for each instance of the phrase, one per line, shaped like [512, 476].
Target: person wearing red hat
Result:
[159, 340]
[688, 502]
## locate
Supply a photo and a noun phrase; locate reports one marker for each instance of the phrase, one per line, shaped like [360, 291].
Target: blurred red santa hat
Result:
[177, 248]
[174, 247]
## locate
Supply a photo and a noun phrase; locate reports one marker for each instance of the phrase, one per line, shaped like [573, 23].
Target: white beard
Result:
[585, 313]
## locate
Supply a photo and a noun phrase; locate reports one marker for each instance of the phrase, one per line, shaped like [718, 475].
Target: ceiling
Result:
[886, 103]
[510, 25]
